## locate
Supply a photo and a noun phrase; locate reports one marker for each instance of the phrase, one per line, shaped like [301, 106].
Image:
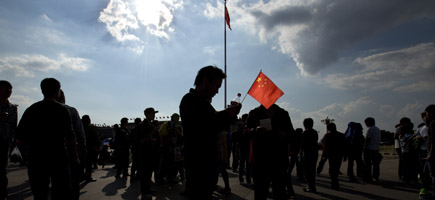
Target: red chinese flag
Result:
[265, 91]
[227, 18]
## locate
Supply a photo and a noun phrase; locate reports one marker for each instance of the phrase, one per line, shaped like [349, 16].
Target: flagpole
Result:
[225, 55]
[251, 86]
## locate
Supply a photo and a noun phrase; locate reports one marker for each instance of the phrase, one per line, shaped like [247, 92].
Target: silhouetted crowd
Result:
[194, 147]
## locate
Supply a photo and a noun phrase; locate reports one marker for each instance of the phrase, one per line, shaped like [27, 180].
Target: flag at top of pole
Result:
[227, 17]
[265, 91]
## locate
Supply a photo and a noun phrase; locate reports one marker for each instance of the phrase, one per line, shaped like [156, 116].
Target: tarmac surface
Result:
[108, 187]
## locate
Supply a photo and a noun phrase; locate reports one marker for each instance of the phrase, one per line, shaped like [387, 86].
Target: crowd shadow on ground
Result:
[21, 191]
[130, 189]
[351, 187]
[125, 188]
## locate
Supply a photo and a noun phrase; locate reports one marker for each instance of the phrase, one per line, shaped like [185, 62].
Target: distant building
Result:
[109, 132]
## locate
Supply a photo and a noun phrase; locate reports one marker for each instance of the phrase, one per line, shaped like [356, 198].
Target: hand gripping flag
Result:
[265, 91]
[227, 17]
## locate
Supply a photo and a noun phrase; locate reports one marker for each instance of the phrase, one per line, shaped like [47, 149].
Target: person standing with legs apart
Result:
[310, 152]
[272, 130]
[122, 145]
[46, 130]
[334, 149]
[149, 144]
[134, 171]
[354, 147]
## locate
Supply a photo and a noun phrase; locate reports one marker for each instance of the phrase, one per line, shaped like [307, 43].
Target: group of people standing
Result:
[416, 152]
[155, 148]
[61, 149]
[275, 148]
[266, 145]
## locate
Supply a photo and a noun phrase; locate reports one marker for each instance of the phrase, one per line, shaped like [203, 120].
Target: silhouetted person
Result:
[430, 115]
[77, 170]
[294, 150]
[399, 135]
[409, 153]
[310, 152]
[334, 150]
[172, 142]
[398, 147]
[298, 161]
[245, 139]
[371, 152]
[201, 124]
[46, 130]
[8, 123]
[425, 178]
[149, 145]
[135, 161]
[236, 131]
[354, 147]
[223, 162]
[122, 144]
[273, 129]
[323, 158]
[92, 146]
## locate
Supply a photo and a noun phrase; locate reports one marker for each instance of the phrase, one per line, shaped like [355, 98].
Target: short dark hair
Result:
[370, 121]
[86, 120]
[331, 127]
[4, 83]
[137, 120]
[50, 86]
[209, 72]
[175, 116]
[308, 123]
[124, 120]
[430, 108]
[405, 120]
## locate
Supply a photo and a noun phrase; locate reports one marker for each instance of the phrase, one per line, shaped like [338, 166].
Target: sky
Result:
[346, 60]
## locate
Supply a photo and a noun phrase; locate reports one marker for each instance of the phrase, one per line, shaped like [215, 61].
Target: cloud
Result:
[125, 20]
[404, 70]
[46, 18]
[22, 101]
[314, 32]
[421, 86]
[119, 20]
[210, 50]
[28, 65]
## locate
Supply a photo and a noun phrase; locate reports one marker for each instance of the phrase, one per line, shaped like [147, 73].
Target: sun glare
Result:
[148, 12]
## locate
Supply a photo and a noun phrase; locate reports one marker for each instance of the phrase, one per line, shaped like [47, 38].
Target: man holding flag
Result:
[201, 124]
[272, 129]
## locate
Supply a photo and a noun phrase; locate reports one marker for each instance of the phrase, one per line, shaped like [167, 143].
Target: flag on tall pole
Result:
[227, 17]
[265, 91]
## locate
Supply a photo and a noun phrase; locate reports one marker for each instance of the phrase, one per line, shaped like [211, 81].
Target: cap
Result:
[150, 110]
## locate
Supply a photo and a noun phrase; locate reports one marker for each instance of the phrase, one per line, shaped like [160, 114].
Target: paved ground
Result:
[107, 187]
